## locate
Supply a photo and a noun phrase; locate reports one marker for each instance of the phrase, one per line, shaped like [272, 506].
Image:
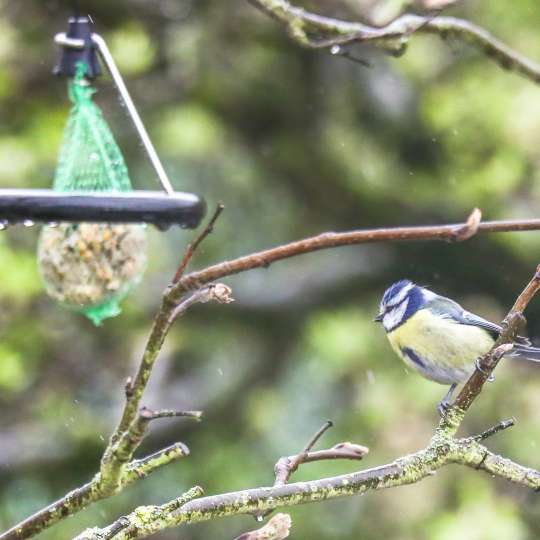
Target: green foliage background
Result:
[295, 143]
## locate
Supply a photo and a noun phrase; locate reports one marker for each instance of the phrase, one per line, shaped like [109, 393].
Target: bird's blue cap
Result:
[394, 290]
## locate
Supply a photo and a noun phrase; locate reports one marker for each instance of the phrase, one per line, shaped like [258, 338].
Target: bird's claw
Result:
[443, 407]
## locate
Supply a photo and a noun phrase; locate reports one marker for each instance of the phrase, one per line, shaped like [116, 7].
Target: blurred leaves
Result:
[294, 142]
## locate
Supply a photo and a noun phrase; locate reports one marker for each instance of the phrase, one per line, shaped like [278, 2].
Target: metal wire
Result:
[108, 59]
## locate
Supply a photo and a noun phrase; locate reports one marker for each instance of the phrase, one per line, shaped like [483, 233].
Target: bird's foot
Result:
[443, 407]
[445, 403]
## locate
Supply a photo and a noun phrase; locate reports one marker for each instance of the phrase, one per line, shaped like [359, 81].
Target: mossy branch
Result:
[315, 31]
[442, 450]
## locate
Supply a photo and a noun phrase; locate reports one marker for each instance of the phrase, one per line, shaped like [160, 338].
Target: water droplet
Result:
[28, 223]
[259, 518]
[4, 224]
[94, 156]
[335, 49]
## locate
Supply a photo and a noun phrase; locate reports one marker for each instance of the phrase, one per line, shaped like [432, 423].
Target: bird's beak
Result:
[378, 318]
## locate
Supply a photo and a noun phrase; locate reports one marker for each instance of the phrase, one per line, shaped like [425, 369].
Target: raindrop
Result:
[335, 49]
[28, 223]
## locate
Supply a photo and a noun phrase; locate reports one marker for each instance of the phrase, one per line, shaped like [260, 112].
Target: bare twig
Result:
[286, 466]
[316, 437]
[192, 247]
[501, 426]
[316, 31]
[263, 259]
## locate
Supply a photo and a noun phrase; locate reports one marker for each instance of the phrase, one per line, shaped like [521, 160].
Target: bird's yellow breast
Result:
[443, 345]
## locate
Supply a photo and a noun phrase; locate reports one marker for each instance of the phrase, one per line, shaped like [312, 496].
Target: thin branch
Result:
[192, 247]
[315, 31]
[139, 468]
[263, 259]
[317, 436]
[501, 426]
[286, 466]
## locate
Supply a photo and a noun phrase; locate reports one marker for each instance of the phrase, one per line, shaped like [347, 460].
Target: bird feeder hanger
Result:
[80, 45]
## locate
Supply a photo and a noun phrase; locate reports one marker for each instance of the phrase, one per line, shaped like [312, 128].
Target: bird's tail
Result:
[525, 352]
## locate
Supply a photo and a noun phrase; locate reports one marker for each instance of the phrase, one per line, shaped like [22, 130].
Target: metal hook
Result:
[105, 53]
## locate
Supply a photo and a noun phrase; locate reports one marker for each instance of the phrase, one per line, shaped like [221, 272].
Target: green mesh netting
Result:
[90, 267]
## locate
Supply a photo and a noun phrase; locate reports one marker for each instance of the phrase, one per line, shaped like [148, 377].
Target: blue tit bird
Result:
[437, 337]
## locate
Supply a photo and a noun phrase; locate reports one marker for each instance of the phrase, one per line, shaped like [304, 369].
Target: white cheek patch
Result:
[401, 295]
[393, 317]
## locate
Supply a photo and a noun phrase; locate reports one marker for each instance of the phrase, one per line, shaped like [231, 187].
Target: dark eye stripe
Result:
[388, 308]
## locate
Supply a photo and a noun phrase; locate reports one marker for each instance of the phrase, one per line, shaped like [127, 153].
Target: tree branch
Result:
[116, 473]
[263, 259]
[318, 32]
[443, 450]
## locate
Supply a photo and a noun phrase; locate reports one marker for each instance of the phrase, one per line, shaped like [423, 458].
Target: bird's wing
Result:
[444, 307]
[474, 320]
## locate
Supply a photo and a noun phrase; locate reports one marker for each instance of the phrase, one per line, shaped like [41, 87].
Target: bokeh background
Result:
[295, 143]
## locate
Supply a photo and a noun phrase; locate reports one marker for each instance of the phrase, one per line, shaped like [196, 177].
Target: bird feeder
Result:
[92, 248]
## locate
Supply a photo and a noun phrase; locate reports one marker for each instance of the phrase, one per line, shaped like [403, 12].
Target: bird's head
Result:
[401, 300]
